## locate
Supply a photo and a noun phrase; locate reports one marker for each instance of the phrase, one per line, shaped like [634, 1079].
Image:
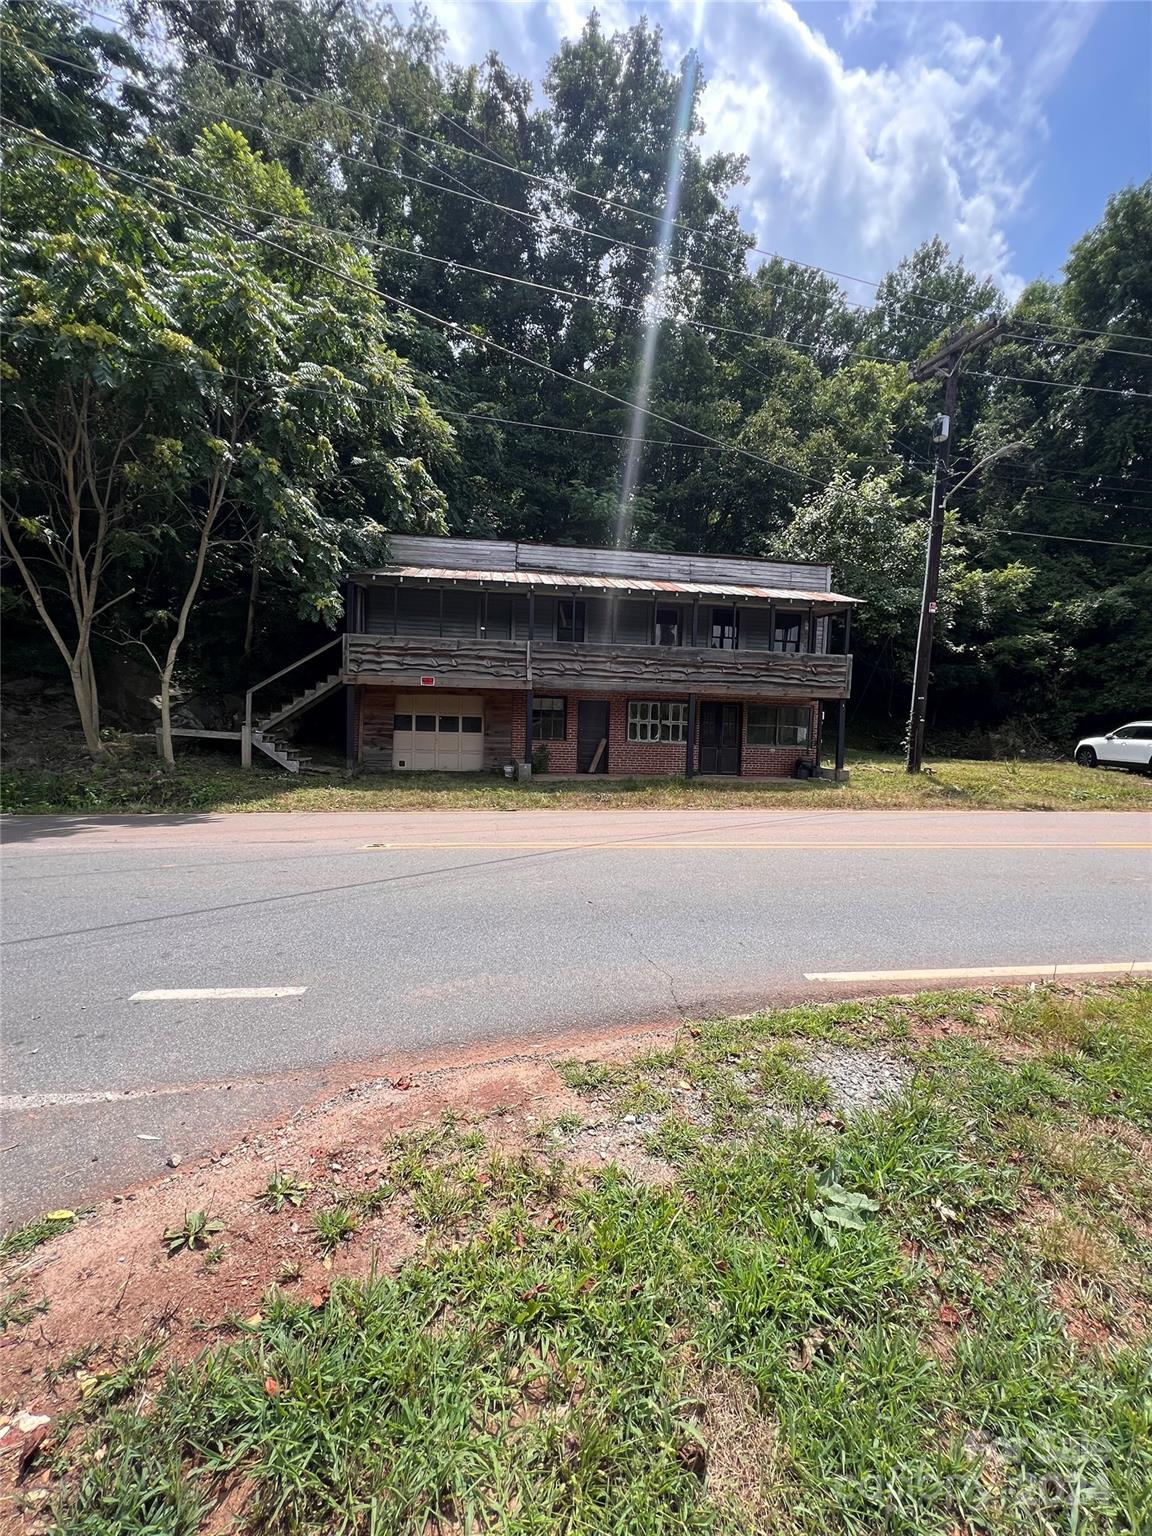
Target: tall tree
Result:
[180, 387]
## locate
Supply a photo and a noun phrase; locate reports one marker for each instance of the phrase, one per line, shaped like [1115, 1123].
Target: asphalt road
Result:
[416, 933]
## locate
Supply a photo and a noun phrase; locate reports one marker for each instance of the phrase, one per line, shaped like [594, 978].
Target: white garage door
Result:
[445, 732]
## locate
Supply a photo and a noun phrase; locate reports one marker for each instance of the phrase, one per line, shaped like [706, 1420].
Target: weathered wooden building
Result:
[464, 655]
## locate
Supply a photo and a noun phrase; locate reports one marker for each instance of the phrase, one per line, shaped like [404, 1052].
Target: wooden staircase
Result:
[280, 750]
[265, 733]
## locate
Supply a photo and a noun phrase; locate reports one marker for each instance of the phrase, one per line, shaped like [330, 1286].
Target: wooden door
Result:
[591, 730]
[719, 737]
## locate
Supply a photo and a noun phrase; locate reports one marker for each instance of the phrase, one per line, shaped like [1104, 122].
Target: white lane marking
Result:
[1108, 968]
[192, 994]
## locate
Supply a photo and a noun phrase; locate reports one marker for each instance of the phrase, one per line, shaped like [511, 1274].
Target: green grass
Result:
[811, 1330]
[18, 1240]
[207, 782]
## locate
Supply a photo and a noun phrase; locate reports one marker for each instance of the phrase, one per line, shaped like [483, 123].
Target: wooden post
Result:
[351, 721]
[811, 646]
[771, 624]
[848, 632]
[840, 723]
[818, 743]
[695, 623]
[528, 726]
[690, 751]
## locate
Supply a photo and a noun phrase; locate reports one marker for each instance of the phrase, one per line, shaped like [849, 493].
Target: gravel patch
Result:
[857, 1079]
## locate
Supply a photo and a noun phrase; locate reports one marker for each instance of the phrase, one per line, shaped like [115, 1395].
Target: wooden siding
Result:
[560, 667]
[504, 555]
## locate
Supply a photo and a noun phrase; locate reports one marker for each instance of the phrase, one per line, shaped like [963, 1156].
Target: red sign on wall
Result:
[427, 682]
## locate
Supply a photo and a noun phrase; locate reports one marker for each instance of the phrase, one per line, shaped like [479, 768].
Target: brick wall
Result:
[504, 721]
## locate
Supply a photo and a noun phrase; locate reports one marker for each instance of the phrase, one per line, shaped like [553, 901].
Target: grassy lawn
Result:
[208, 782]
[925, 1314]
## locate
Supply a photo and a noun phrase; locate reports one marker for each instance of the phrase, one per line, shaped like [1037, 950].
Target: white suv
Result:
[1129, 746]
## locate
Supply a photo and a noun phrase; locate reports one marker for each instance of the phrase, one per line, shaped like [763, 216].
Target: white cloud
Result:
[869, 162]
[849, 167]
[860, 13]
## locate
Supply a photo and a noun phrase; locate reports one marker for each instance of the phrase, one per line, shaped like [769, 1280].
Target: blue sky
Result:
[871, 125]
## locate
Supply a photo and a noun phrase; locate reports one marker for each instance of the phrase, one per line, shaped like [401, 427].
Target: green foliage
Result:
[334, 1225]
[283, 1189]
[195, 1231]
[832, 1209]
[573, 1360]
[234, 392]
[23, 1239]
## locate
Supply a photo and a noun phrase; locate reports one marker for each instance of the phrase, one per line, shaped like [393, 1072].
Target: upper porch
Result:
[614, 619]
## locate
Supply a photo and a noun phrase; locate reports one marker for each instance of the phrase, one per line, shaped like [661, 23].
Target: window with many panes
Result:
[787, 632]
[657, 720]
[549, 720]
[723, 629]
[570, 620]
[772, 725]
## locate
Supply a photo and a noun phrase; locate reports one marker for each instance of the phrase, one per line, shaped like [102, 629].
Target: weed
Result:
[333, 1225]
[283, 1189]
[289, 1272]
[196, 1230]
[833, 1210]
[16, 1311]
[214, 1256]
[1083, 1251]
[885, 1346]
[33, 1233]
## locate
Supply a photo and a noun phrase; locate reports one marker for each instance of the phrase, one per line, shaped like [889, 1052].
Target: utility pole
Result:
[946, 364]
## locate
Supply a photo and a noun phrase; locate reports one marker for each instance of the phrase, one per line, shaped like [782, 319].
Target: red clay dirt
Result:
[110, 1278]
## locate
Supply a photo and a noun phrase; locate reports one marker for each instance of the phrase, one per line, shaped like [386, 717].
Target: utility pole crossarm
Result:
[941, 363]
[944, 363]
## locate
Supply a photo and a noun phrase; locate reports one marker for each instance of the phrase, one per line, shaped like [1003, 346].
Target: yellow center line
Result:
[745, 847]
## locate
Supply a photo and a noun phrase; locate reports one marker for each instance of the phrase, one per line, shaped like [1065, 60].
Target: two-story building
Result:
[463, 655]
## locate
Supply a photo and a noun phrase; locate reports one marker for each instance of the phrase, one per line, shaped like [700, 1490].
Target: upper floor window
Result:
[667, 626]
[570, 619]
[786, 636]
[723, 629]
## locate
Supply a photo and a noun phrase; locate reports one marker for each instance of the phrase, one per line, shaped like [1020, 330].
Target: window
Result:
[787, 632]
[425, 722]
[1133, 733]
[657, 720]
[449, 722]
[723, 629]
[549, 719]
[778, 726]
[402, 722]
[570, 620]
[667, 626]
[471, 725]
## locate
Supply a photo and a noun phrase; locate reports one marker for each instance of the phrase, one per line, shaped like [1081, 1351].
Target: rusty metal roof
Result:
[617, 584]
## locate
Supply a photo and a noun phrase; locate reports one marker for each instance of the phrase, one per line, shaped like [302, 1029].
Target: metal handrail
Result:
[246, 736]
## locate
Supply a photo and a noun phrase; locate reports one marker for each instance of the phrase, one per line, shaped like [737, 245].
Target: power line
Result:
[563, 186]
[296, 387]
[485, 418]
[619, 305]
[1093, 389]
[449, 325]
[1065, 538]
[1057, 341]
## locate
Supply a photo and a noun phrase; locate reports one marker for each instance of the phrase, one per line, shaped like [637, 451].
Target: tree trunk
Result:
[168, 669]
[253, 593]
[87, 703]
